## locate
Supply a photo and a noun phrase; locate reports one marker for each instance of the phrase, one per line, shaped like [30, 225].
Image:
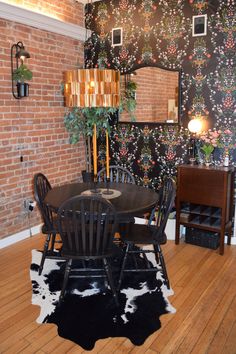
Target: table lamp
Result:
[195, 127]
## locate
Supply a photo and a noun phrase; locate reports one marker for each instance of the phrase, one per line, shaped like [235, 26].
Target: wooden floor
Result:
[205, 299]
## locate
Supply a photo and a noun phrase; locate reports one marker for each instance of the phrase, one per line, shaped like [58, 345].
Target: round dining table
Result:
[128, 199]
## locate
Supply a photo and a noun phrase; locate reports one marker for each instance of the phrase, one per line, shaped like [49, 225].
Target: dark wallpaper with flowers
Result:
[160, 33]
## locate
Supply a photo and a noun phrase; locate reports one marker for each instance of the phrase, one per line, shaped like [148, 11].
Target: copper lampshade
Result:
[92, 88]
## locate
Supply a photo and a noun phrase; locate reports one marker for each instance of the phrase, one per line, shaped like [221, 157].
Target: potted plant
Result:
[21, 74]
[80, 122]
[209, 142]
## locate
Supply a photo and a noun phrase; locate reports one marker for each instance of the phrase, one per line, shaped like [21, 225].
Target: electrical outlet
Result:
[29, 205]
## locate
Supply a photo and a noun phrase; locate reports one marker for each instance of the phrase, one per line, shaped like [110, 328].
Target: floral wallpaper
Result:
[159, 32]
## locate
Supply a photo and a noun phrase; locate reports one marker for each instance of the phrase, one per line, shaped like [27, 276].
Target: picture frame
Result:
[117, 36]
[199, 25]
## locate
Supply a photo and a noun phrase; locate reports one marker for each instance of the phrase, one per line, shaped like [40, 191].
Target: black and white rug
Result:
[88, 312]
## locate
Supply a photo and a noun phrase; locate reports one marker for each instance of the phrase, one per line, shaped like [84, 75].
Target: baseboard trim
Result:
[233, 240]
[19, 236]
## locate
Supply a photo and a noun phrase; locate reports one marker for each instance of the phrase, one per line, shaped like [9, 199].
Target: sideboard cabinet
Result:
[204, 200]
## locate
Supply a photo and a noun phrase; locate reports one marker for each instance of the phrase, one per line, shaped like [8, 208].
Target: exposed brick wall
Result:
[33, 127]
[65, 10]
[154, 87]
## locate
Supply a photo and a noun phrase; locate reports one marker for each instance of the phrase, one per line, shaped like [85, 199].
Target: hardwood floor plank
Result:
[31, 349]
[17, 332]
[199, 316]
[230, 345]
[55, 343]
[210, 331]
[205, 300]
[17, 347]
[222, 338]
[183, 301]
[184, 339]
[15, 315]
[77, 350]
[13, 299]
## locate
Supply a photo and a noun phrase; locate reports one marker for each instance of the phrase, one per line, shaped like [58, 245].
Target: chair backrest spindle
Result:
[117, 174]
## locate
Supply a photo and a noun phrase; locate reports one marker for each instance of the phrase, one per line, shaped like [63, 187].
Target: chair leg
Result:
[156, 255]
[146, 260]
[65, 280]
[134, 259]
[123, 267]
[158, 250]
[53, 242]
[45, 250]
[110, 279]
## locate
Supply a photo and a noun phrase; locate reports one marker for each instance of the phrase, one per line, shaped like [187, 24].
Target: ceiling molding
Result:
[86, 1]
[44, 22]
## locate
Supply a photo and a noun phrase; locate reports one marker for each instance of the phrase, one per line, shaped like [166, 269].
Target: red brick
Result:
[33, 127]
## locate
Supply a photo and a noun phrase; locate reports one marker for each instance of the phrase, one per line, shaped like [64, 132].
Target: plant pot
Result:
[22, 89]
[87, 176]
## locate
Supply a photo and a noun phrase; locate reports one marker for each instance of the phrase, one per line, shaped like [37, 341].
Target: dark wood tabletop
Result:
[133, 200]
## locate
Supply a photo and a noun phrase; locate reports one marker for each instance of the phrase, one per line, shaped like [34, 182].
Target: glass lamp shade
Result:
[22, 54]
[195, 125]
[92, 88]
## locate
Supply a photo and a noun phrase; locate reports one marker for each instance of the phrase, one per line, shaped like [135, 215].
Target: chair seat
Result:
[141, 234]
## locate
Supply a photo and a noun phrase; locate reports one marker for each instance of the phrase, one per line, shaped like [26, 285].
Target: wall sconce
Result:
[19, 73]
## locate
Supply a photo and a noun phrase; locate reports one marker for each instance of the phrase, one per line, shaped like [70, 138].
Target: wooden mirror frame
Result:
[179, 95]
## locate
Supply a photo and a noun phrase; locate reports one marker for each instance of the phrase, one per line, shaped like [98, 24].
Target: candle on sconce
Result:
[95, 168]
[107, 155]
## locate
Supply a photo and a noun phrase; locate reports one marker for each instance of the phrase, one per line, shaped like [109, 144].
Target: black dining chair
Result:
[152, 233]
[87, 225]
[49, 227]
[117, 174]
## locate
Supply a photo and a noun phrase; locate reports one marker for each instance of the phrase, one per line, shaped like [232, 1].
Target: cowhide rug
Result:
[88, 312]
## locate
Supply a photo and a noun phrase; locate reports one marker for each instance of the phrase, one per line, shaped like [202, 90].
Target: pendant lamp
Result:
[92, 88]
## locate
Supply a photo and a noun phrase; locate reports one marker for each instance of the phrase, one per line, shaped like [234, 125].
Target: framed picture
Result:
[199, 25]
[117, 36]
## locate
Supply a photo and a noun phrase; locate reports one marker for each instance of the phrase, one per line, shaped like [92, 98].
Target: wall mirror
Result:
[157, 95]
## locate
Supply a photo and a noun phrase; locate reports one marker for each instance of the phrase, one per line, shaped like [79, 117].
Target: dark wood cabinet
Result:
[204, 200]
